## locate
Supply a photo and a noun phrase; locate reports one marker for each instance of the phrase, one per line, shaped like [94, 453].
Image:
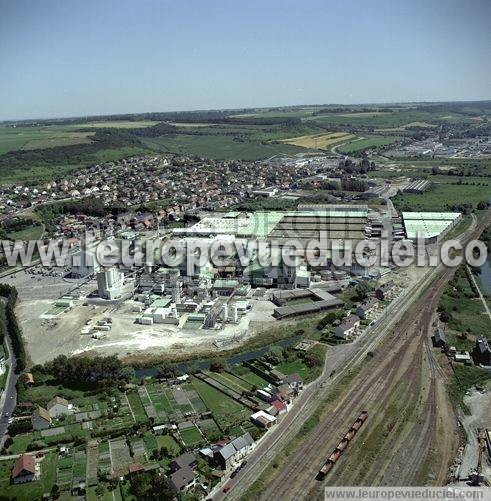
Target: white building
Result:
[110, 283]
[83, 263]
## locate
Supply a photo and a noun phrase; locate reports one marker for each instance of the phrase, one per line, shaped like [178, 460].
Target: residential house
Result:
[40, 419]
[184, 460]
[24, 469]
[234, 451]
[58, 407]
[182, 479]
[366, 307]
[284, 393]
[278, 408]
[347, 327]
[481, 352]
[263, 419]
[384, 290]
[294, 381]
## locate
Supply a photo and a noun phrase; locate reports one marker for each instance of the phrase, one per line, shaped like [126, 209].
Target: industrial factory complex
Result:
[139, 307]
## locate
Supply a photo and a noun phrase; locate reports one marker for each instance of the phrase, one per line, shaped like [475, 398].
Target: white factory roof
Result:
[428, 224]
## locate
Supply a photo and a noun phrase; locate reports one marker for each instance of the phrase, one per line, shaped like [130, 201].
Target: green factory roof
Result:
[223, 283]
[160, 303]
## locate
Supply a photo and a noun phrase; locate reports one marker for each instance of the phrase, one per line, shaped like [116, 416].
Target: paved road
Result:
[8, 399]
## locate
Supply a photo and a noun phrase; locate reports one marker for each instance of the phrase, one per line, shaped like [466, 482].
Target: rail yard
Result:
[412, 435]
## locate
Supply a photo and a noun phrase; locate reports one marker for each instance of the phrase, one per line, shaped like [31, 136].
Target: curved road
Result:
[8, 399]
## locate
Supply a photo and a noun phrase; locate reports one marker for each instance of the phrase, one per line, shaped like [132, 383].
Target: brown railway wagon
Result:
[336, 453]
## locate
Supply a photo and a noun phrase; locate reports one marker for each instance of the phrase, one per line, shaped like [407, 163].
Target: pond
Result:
[232, 360]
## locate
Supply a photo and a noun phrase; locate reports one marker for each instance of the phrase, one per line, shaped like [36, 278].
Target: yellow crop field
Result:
[319, 141]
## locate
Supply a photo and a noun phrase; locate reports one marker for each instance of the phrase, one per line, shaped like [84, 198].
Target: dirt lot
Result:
[47, 338]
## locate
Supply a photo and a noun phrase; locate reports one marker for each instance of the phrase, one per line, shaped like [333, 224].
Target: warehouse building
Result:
[431, 226]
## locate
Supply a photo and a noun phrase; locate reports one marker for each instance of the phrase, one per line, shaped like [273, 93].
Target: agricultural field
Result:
[31, 138]
[111, 124]
[366, 143]
[220, 147]
[444, 194]
[319, 141]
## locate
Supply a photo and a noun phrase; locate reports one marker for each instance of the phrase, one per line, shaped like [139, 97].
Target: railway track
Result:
[296, 477]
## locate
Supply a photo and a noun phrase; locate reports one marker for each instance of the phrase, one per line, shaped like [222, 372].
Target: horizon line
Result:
[197, 110]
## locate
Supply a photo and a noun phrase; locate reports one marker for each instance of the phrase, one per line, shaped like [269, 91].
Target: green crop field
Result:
[446, 192]
[30, 138]
[220, 147]
[366, 143]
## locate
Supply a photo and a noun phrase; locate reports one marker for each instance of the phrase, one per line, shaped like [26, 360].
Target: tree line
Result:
[10, 326]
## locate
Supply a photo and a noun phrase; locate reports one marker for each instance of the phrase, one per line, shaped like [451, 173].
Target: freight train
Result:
[331, 460]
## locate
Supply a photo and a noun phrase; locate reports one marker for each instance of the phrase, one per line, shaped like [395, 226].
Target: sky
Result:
[62, 58]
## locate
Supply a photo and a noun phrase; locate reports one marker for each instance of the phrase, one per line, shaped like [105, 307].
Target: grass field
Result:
[220, 147]
[169, 443]
[30, 233]
[297, 366]
[444, 194]
[191, 436]
[29, 138]
[366, 143]
[319, 141]
[225, 410]
[249, 376]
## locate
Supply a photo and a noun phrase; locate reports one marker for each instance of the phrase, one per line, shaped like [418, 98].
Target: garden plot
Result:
[139, 450]
[160, 402]
[226, 411]
[136, 407]
[182, 400]
[150, 410]
[64, 472]
[150, 443]
[120, 456]
[209, 428]
[92, 462]
[190, 435]
[246, 374]
[196, 403]
[79, 467]
[104, 463]
[231, 381]
[51, 432]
